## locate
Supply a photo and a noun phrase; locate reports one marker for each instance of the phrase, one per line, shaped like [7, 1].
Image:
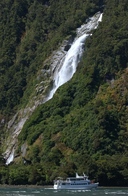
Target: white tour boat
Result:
[78, 182]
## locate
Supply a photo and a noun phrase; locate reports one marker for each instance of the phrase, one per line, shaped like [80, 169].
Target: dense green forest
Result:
[84, 127]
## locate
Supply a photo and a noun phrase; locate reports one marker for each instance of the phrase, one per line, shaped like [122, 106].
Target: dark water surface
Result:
[7, 191]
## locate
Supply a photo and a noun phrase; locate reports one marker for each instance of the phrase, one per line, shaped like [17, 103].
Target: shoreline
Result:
[25, 186]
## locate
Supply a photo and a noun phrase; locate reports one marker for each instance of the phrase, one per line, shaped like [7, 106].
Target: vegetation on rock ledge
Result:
[85, 126]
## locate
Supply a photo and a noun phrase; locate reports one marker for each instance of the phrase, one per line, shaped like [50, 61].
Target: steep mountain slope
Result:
[30, 31]
[63, 65]
[85, 126]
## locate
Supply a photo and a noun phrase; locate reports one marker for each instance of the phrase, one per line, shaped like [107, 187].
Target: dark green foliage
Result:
[27, 29]
[84, 127]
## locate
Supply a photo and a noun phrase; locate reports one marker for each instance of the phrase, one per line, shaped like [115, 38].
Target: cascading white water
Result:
[67, 67]
[11, 157]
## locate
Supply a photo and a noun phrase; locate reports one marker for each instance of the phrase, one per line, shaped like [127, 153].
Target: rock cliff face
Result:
[57, 69]
[45, 78]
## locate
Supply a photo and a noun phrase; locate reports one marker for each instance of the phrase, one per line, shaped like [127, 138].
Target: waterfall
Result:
[11, 157]
[67, 67]
[64, 63]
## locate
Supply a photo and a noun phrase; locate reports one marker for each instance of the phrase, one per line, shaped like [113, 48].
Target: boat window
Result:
[72, 179]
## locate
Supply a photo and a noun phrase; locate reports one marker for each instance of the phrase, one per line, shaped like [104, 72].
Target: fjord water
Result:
[6, 191]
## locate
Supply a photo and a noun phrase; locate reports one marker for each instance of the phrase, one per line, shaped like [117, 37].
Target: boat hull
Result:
[77, 187]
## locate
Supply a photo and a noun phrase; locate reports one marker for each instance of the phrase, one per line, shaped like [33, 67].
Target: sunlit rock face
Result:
[67, 64]
[60, 67]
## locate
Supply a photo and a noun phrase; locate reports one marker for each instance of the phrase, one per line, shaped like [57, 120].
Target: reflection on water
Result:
[7, 191]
